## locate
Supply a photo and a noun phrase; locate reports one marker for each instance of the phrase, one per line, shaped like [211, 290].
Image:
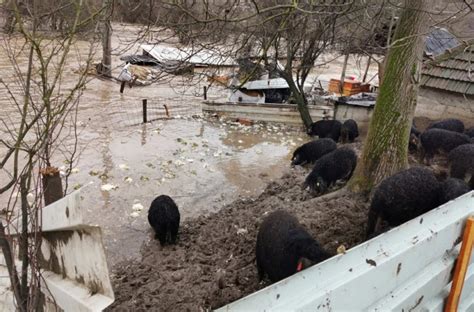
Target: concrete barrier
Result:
[72, 261]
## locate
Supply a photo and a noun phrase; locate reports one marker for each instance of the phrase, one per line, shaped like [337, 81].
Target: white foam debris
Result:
[108, 187]
[75, 170]
[137, 207]
[240, 141]
[128, 180]
[124, 167]
[178, 163]
[134, 214]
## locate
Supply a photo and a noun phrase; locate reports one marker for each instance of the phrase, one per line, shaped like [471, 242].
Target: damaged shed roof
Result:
[455, 74]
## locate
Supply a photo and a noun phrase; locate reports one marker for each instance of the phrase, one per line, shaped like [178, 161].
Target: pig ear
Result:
[299, 266]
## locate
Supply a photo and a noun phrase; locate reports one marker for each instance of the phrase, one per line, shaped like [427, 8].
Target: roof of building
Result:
[455, 74]
[438, 41]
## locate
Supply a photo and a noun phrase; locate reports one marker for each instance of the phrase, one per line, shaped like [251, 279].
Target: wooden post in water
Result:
[205, 92]
[122, 86]
[167, 111]
[144, 103]
[52, 185]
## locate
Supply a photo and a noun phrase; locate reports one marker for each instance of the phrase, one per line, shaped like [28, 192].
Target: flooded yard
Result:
[123, 164]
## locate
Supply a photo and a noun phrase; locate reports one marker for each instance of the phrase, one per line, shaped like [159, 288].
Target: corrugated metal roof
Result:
[455, 74]
[447, 73]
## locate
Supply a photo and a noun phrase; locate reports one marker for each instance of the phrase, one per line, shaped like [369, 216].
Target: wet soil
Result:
[214, 261]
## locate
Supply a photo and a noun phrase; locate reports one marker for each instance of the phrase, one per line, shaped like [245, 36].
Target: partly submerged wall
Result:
[437, 104]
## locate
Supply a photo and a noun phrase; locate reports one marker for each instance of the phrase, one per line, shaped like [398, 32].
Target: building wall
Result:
[360, 114]
[437, 104]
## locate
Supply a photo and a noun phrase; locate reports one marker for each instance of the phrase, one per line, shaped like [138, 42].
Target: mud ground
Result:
[214, 261]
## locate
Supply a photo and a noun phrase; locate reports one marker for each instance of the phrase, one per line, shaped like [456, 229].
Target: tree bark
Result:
[386, 146]
[343, 73]
[105, 67]
[300, 102]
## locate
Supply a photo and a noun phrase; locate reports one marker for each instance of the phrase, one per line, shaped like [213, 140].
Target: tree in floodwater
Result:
[40, 97]
[386, 146]
[294, 33]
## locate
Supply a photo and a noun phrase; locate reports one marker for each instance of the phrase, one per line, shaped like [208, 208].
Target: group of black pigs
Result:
[283, 245]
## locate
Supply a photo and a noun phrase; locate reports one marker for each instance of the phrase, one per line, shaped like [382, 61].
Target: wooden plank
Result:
[461, 266]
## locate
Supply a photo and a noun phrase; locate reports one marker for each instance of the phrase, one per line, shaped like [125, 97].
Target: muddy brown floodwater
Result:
[122, 164]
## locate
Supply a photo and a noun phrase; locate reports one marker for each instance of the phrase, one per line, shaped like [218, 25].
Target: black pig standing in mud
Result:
[163, 217]
[349, 131]
[450, 124]
[337, 165]
[284, 247]
[326, 129]
[461, 163]
[435, 140]
[414, 139]
[402, 197]
[470, 132]
[452, 188]
[312, 151]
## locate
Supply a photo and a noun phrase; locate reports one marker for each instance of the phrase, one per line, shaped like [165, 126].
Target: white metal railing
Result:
[73, 263]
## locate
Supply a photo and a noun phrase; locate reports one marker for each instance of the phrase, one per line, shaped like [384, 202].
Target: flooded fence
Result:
[409, 268]
[151, 109]
[72, 261]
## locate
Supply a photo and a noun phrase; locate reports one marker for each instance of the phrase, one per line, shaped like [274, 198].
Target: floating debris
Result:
[93, 172]
[150, 165]
[137, 207]
[124, 167]
[128, 180]
[134, 214]
[178, 163]
[144, 178]
[108, 187]
[74, 170]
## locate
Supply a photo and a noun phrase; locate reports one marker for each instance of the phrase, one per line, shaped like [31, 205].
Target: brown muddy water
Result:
[123, 164]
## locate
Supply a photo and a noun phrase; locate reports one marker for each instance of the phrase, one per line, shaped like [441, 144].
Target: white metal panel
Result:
[407, 268]
[72, 261]
[275, 83]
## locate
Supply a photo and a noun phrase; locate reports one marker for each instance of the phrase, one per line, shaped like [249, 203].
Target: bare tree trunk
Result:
[23, 243]
[343, 73]
[9, 17]
[105, 67]
[9, 260]
[386, 145]
[367, 67]
[301, 102]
